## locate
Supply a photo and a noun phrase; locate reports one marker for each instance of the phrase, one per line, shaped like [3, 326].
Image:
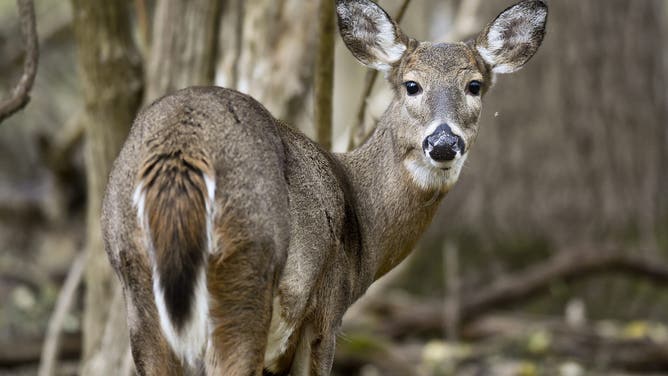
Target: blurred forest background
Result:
[550, 256]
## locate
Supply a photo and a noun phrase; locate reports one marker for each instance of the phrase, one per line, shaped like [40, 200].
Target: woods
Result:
[562, 203]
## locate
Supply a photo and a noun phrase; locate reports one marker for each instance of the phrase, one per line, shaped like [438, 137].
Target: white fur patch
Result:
[139, 201]
[279, 335]
[189, 343]
[487, 55]
[429, 177]
[210, 212]
[388, 50]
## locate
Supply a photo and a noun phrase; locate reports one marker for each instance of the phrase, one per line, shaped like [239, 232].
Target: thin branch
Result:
[402, 11]
[63, 306]
[565, 265]
[20, 95]
[324, 74]
[358, 134]
[453, 290]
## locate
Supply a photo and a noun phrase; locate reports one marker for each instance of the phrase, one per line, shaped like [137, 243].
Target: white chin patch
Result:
[429, 174]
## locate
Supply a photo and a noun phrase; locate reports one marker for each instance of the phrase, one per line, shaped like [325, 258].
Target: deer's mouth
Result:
[442, 165]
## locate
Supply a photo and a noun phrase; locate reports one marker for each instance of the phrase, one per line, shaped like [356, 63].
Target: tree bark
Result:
[267, 52]
[112, 85]
[324, 74]
[184, 46]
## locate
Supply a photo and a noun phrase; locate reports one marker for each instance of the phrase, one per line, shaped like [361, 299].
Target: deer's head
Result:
[438, 87]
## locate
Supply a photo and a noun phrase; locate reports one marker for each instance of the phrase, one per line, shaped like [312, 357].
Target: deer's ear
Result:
[509, 41]
[370, 34]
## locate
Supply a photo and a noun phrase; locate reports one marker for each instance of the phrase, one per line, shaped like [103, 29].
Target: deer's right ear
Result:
[370, 34]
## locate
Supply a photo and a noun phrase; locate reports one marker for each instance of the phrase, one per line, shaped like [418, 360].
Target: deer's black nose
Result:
[443, 145]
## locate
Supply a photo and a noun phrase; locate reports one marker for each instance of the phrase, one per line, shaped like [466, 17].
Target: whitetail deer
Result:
[240, 243]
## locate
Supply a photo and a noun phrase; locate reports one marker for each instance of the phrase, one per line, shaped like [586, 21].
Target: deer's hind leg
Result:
[151, 352]
[241, 278]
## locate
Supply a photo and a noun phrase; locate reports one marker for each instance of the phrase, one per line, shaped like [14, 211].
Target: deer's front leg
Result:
[315, 353]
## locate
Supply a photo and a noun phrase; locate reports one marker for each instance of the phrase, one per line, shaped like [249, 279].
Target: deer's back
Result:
[235, 133]
[273, 177]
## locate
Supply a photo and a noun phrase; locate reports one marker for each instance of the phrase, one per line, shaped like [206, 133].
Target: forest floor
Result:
[399, 338]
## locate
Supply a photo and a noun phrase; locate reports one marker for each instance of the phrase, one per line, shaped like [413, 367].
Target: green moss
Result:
[361, 344]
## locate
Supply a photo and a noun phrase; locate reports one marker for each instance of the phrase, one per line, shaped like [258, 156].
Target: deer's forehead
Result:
[442, 60]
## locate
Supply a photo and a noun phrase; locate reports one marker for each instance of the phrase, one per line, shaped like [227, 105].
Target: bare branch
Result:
[20, 95]
[519, 286]
[565, 265]
[358, 134]
[63, 306]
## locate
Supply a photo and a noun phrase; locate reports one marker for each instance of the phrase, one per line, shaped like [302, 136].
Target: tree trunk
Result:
[111, 77]
[183, 51]
[267, 51]
[324, 74]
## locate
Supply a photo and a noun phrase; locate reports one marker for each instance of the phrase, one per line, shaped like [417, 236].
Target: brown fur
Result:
[176, 209]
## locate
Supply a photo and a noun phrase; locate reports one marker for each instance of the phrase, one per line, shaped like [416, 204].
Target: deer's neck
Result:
[392, 211]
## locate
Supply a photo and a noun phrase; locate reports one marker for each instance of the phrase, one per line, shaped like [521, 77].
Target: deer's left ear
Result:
[370, 34]
[509, 41]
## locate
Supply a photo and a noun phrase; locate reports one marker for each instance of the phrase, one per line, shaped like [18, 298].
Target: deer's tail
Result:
[174, 197]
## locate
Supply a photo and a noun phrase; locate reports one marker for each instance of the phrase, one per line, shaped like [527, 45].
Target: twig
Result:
[324, 74]
[359, 133]
[452, 298]
[20, 95]
[63, 306]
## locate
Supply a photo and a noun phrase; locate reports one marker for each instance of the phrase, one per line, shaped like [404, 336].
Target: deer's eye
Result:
[474, 87]
[413, 88]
